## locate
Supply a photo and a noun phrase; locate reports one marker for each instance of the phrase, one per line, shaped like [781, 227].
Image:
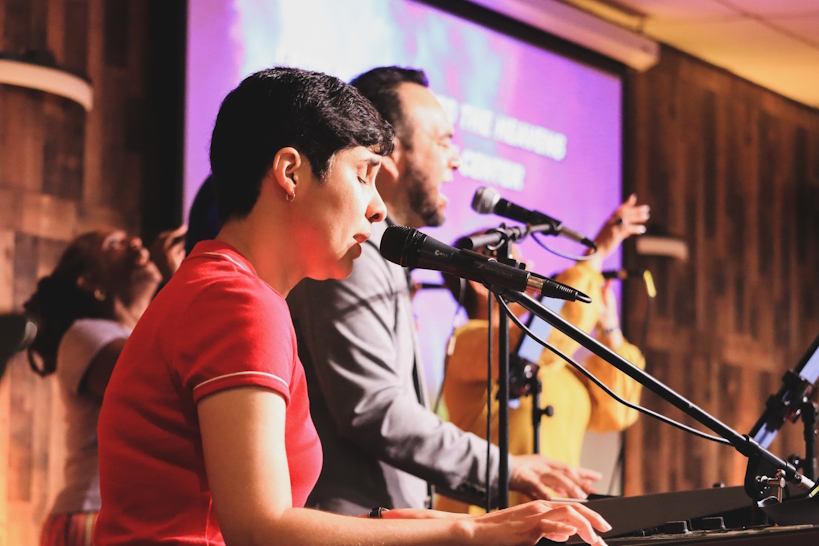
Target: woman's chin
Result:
[146, 275]
[340, 268]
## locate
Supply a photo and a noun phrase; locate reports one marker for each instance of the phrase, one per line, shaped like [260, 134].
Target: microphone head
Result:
[398, 243]
[484, 200]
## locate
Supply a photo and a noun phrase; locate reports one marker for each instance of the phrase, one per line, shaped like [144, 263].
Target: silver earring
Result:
[290, 197]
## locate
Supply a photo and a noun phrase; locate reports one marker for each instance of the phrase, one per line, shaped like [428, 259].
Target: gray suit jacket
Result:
[357, 341]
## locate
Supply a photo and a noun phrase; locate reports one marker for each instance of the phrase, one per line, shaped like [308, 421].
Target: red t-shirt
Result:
[216, 325]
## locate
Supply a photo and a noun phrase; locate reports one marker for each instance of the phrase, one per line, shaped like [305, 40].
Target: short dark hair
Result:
[380, 86]
[314, 113]
[203, 219]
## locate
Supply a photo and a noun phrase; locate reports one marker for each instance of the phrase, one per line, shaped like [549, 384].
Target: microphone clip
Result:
[493, 239]
[496, 237]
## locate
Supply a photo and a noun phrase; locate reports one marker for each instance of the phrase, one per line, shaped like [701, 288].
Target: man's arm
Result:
[358, 334]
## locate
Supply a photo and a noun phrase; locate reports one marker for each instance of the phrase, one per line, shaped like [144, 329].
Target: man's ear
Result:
[391, 164]
[283, 172]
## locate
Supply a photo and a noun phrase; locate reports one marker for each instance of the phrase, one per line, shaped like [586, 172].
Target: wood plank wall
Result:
[734, 170]
[62, 172]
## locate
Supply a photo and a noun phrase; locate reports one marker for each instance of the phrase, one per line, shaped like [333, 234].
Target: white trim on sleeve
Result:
[272, 376]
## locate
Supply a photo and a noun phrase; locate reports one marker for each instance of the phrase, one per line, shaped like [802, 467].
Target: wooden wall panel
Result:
[732, 169]
[64, 171]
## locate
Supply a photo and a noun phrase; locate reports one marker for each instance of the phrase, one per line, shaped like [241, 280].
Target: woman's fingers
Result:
[173, 237]
[528, 523]
[594, 518]
[580, 517]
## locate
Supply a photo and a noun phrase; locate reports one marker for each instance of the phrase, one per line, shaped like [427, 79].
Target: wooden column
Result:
[64, 171]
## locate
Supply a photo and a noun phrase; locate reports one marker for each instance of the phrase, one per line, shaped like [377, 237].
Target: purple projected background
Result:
[543, 130]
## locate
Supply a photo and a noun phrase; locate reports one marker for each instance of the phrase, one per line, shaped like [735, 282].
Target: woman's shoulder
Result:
[83, 340]
[91, 334]
[85, 327]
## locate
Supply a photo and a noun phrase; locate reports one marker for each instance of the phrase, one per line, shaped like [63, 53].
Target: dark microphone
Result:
[431, 286]
[410, 248]
[488, 201]
[621, 274]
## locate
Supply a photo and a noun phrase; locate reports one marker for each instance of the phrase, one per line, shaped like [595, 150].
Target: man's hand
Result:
[534, 475]
[625, 221]
[168, 251]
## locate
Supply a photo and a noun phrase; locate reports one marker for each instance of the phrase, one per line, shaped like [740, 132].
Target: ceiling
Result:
[774, 43]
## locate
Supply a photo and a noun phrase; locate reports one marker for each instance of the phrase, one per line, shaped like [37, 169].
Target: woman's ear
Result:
[86, 285]
[91, 287]
[283, 172]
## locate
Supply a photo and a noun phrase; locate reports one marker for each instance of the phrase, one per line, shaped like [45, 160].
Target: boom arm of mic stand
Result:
[743, 443]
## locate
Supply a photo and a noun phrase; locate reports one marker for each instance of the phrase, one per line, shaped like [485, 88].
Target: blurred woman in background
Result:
[85, 311]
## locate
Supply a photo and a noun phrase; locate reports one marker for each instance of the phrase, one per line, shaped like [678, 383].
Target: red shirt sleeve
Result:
[236, 332]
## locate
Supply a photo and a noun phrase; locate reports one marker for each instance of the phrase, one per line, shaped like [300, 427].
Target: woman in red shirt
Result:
[205, 433]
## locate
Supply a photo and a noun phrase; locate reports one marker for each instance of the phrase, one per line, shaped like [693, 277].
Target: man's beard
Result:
[421, 202]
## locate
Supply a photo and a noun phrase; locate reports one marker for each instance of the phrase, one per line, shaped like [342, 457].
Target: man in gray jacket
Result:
[357, 341]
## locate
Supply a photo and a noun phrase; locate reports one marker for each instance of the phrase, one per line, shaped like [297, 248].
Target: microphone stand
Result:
[524, 380]
[537, 412]
[499, 240]
[746, 445]
[504, 255]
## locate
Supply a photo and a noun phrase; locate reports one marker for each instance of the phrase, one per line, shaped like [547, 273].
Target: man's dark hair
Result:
[317, 114]
[380, 86]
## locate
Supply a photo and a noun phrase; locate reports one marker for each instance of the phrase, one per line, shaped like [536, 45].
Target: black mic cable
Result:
[603, 386]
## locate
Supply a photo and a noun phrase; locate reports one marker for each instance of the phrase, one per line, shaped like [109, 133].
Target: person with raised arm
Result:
[577, 404]
[85, 310]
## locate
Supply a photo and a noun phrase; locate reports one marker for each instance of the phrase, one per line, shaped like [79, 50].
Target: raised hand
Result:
[628, 219]
[168, 250]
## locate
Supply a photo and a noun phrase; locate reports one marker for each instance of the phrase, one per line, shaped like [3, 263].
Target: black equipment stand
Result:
[524, 381]
[746, 445]
[810, 413]
[537, 411]
[791, 402]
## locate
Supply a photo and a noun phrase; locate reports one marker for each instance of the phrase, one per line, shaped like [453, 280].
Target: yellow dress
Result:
[579, 405]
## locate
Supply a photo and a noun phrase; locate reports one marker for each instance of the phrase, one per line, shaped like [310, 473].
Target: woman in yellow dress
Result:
[578, 404]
